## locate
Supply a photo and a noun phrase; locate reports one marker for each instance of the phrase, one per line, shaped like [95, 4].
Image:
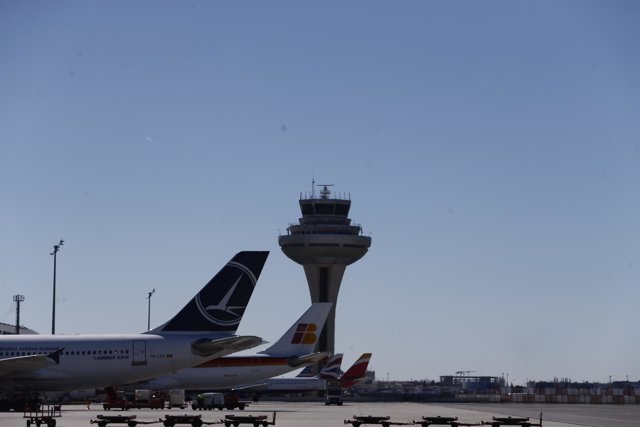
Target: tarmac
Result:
[316, 414]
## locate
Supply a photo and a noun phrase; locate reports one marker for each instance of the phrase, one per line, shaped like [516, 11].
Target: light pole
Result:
[18, 299]
[149, 309]
[56, 248]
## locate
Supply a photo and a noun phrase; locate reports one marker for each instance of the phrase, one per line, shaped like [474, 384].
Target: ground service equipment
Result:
[333, 393]
[193, 420]
[129, 420]
[357, 421]
[254, 420]
[42, 414]
[443, 421]
[513, 421]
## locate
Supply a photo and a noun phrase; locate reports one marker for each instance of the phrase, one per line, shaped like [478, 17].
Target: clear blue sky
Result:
[491, 149]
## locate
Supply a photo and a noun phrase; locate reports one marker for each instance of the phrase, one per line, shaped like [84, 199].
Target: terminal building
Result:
[473, 383]
[7, 329]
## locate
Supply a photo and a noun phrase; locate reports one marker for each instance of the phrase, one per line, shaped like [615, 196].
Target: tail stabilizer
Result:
[307, 372]
[307, 359]
[331, 370]
[220, 305]
[356, 372]
[302, 336]
[328, 368]
[224, 346]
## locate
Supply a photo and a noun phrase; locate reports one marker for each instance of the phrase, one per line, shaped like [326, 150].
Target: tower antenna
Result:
[325, 192]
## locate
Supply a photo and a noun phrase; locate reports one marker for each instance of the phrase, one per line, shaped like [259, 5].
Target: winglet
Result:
[220, 305]
[55, 356]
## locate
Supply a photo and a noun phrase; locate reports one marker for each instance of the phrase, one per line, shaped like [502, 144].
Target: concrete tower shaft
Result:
[324, 242]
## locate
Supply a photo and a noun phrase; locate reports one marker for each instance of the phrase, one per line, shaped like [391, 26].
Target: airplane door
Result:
[139, 353]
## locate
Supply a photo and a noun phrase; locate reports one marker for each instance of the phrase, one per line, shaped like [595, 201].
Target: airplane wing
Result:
[28, 363]
[307, 359]
[251, 387]
[224, 346]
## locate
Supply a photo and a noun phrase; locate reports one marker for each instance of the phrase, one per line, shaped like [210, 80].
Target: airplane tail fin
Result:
[356, 372]
[331, 370]
[302, 336]
[220, 305]
[307, 372]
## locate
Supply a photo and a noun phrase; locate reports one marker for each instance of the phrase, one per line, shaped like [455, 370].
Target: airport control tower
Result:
[324, 242]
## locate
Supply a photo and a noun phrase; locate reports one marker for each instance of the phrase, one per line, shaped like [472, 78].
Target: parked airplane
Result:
[293, 350]
[203, 330]
[352, 376]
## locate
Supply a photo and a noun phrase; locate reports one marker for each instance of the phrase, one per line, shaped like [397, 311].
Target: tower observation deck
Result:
[324, 243]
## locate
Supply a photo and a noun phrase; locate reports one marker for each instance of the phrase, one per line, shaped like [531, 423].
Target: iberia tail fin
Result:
[302, 336]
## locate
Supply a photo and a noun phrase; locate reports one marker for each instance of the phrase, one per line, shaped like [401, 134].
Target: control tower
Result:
[324, 242]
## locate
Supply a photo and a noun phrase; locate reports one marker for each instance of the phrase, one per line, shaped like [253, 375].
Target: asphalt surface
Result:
[315, 414]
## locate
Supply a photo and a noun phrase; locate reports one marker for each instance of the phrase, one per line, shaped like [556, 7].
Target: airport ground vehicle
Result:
[220, 401]
[208, 401]
[176, 399]
[142, 399]
[231, 401]
[333, 393]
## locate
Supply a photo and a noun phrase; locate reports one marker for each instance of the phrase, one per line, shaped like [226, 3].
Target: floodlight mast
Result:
[56, 248]
[18, 299]
[153, 291]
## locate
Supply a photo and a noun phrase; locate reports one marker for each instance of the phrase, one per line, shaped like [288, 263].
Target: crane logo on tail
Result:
[227, 310]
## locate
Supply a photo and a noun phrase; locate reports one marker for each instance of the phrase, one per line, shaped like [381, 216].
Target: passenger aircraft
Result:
[293, 350]
[352, 376]
[203, 330]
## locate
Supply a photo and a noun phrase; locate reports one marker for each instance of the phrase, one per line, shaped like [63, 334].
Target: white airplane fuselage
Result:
[98, 361]
[223, 373]
[294, 384]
